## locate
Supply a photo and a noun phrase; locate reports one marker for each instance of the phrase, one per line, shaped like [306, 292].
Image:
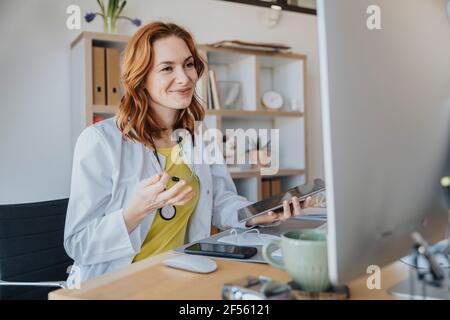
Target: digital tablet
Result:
[276, 202]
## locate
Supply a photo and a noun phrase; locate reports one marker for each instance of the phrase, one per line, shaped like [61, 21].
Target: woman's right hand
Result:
[151, 194]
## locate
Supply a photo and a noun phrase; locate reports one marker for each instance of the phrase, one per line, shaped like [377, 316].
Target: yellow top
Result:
[164, 234]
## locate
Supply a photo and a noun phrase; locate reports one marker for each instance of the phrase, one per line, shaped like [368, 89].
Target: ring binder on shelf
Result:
[112, 76]
[98, 76]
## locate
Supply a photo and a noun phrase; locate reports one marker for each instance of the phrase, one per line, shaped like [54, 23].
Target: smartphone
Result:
[221, 250]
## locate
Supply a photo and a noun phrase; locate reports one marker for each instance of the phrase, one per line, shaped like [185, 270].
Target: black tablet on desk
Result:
[276, 202]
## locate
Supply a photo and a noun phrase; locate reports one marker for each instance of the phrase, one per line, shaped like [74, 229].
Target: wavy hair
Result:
[135, 118]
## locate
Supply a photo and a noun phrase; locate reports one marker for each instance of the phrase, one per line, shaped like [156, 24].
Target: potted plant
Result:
[110, 15]
[259, 153]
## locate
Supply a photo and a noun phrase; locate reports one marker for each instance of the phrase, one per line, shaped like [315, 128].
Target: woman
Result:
[130, 198]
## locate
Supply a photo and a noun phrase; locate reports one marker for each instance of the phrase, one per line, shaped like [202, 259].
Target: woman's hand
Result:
[282, 214]
[151, 194]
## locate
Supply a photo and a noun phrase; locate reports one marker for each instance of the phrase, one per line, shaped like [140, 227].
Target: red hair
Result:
[135, 119]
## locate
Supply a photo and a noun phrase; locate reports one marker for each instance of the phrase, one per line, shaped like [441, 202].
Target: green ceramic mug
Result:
[304, 257]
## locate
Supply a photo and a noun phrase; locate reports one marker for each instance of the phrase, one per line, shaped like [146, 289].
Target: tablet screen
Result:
[275, 202]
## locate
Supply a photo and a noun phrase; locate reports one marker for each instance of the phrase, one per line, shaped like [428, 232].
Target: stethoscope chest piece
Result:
[168, 212]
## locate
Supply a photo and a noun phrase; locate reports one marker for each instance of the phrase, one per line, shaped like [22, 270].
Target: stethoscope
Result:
[168, 212]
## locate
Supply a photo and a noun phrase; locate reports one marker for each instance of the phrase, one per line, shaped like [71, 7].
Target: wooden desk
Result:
[149, 279]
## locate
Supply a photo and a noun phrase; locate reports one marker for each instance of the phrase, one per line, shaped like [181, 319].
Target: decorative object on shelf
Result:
[97, 119]
[259, 46]
[272, 100]
[445, 183]
[229, 94]
[231, 154]
[111, 15]
[230, 148]
[259, 153]
[271, 17]
[294, 104]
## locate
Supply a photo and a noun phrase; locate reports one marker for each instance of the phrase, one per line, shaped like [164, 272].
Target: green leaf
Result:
[111, 8]
[101, 5]
[122, 5]
[116, 7]
[110, 3]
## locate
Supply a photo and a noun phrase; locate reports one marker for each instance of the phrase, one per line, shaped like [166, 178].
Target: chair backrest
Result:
[31, 247]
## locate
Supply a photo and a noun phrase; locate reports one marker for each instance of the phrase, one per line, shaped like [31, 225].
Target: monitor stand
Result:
[413, 288]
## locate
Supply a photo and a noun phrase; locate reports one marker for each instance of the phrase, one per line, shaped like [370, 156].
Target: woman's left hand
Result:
[282, 214]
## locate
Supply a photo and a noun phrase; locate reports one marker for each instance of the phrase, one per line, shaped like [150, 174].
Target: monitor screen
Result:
[385, 89]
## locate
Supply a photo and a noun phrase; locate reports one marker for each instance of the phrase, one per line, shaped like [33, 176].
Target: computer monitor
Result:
[385, 89]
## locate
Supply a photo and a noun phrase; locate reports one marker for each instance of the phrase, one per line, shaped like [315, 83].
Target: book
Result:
[210, 102]
[214, 90]
[261, 46]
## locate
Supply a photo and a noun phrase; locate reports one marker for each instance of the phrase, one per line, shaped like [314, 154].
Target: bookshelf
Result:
[255, 71]
[259, 72]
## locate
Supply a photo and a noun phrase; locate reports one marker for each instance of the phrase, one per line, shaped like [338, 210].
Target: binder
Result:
[112, 76]
[98, 72]
[266, 189]
[276, 186]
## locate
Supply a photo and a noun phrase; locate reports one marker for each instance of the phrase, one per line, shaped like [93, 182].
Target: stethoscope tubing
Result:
[168, 212]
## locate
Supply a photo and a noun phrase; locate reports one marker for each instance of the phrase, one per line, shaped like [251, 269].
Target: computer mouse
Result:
[191, 263]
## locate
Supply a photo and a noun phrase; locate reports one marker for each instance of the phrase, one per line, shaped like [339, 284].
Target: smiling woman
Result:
[125, 204]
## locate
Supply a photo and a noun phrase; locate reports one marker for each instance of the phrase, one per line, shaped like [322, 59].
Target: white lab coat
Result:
[106, 171]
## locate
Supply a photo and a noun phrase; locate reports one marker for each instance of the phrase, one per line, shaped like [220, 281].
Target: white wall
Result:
[35, 162]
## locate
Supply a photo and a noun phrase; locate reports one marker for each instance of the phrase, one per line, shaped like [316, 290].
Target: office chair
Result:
[33, 261]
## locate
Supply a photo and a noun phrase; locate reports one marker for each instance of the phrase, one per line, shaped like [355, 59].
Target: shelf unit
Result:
[256, 71]
[257, 113]
[83, 109]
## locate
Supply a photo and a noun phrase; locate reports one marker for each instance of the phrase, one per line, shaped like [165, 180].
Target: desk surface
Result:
[149, 279]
